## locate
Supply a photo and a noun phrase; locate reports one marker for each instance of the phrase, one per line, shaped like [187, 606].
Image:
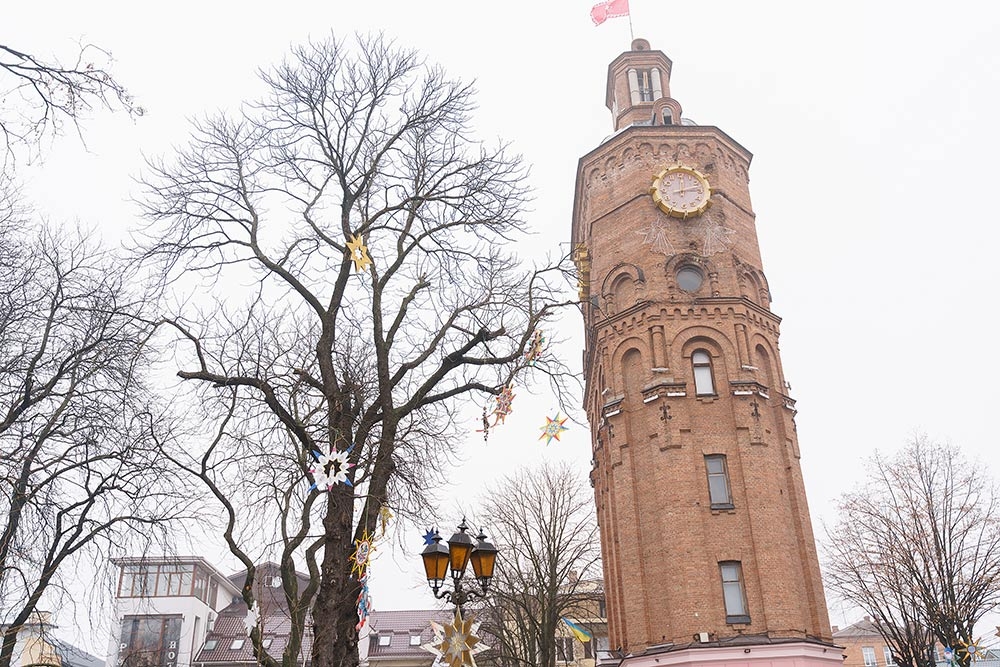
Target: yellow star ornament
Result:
[359, 253]
[363, 550]
[456, 643]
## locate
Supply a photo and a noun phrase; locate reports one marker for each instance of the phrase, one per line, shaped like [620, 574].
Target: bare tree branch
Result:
[918, 548]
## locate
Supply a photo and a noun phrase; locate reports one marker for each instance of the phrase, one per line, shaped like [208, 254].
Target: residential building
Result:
[37, 645]
[395, 638]
[228, 644]
[164, 607]
[591, 616]
[864, 647]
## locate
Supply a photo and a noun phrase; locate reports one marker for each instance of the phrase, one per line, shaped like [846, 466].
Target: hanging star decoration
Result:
[553, 428]
[535, 349]
[252, 618]
[363, 550]
[656, 237]
[456, 644]
[330, 469]
[359, 253]
[364, 603]
[429, 536]
[503, 406]
[973, 649]
[384, 517]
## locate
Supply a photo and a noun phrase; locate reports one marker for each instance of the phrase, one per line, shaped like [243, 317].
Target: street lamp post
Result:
[439, 559]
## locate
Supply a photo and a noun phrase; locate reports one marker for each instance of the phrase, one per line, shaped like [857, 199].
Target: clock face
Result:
[681, 191]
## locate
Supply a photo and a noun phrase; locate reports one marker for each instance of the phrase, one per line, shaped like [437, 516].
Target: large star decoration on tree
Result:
[359, 253]
[362, 555]
[331, 469]
[973, 649]
[553, 428]
[456, 644]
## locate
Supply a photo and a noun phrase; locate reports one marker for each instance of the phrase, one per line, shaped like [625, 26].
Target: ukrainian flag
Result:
[581, 633]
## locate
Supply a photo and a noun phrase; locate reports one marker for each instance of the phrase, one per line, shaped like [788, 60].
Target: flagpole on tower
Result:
[631, 33]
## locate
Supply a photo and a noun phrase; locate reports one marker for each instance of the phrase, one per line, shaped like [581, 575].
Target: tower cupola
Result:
[639, 88]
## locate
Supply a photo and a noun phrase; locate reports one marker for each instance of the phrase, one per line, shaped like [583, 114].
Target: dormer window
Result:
[668, 116]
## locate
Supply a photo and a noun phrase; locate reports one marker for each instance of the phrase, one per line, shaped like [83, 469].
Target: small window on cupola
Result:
[645, 79]
[668, 116]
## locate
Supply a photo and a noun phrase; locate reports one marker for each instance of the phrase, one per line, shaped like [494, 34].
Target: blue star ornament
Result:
[429, 537]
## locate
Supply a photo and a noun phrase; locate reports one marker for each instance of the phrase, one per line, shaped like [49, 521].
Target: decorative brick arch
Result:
[623, 286]
[764, 355]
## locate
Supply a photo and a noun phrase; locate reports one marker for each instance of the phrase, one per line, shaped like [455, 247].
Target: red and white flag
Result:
[608, 9]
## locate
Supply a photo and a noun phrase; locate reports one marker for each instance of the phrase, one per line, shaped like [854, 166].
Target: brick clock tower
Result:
[709, 555]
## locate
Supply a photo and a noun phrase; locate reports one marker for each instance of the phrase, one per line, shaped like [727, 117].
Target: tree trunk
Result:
[335, 634]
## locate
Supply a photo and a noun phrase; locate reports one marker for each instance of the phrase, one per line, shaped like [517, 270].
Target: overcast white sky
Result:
[874, 179]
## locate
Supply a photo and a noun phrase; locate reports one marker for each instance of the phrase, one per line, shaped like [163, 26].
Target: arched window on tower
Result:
[701, 363]
[644, 85]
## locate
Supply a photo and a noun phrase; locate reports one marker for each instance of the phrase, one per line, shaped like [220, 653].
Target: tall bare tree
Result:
[310, 350]
[39, 96]
[917, 547]
[544, 523]
[80, 469]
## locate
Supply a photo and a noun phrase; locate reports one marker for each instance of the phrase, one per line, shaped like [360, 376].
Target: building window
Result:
[868, 653]
[668, 116]
[236, 645]
[149, 641]
[645, 85]
[564, 649]
[414, 640]
[689, 279]
[718, 482]
[888, 656]
[384, 640]
[702, 365]
[266, 644]
[733, 593]
[211, 644]
[166, 580]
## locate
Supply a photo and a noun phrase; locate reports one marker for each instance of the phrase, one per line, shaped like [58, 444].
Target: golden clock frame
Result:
[664, 206]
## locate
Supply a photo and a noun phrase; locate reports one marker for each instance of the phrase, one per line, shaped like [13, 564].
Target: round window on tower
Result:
[689, 278]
